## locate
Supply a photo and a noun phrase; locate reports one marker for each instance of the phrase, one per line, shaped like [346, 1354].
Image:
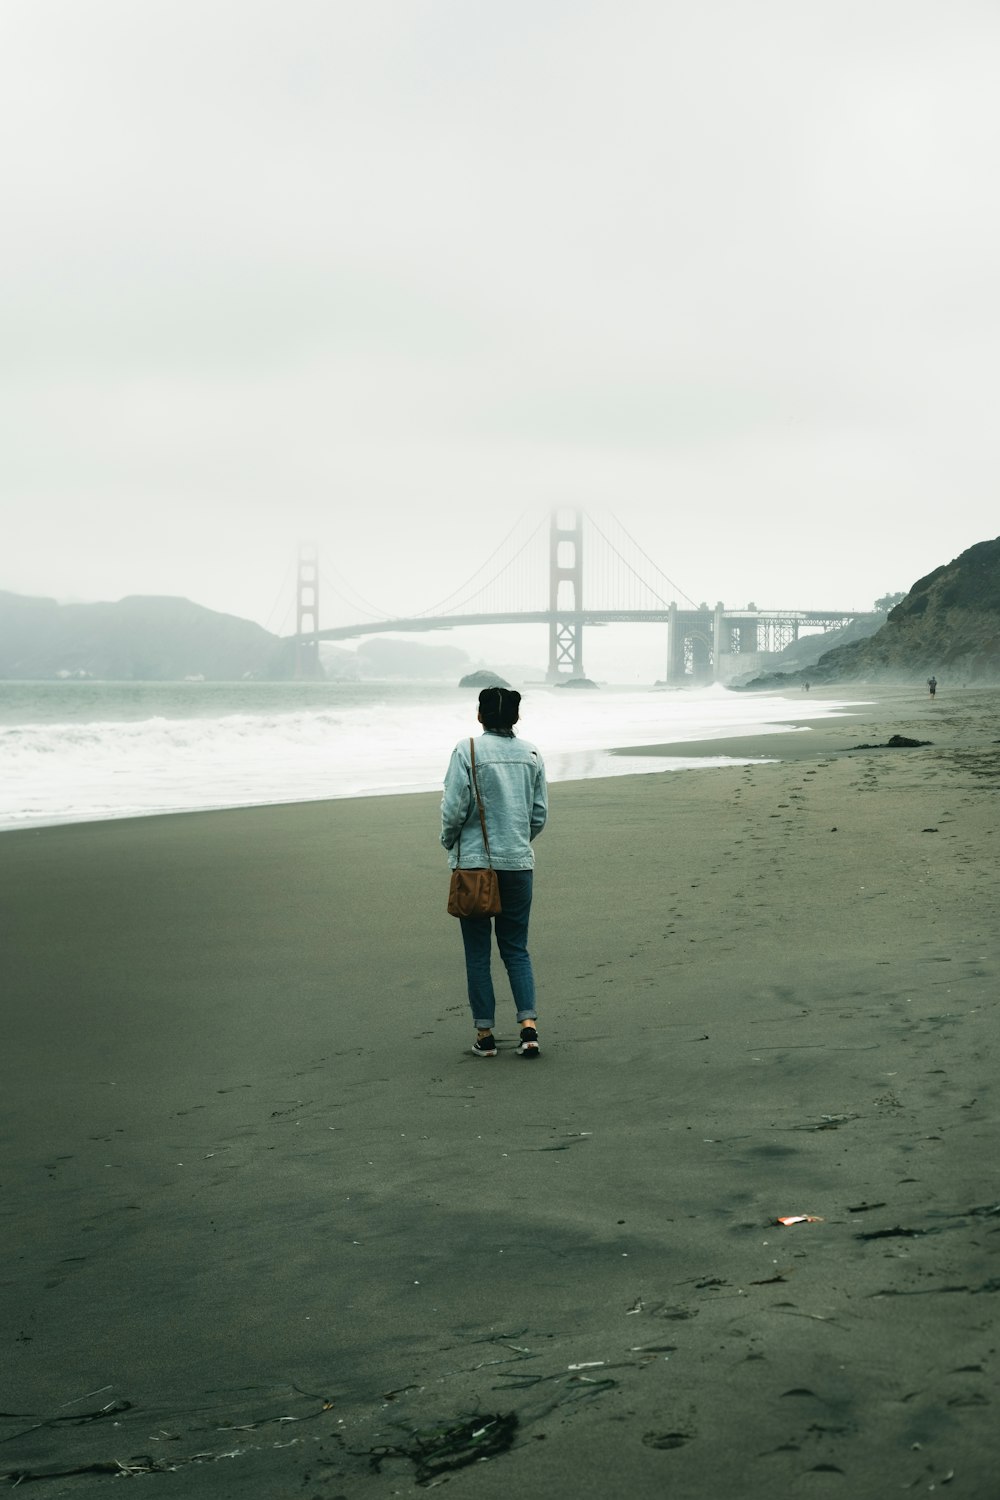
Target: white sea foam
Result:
[108, 756]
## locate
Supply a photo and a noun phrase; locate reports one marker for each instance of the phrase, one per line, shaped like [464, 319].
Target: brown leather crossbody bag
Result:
[474, 893]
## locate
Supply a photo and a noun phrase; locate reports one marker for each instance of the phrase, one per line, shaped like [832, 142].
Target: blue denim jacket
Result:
[511, 779]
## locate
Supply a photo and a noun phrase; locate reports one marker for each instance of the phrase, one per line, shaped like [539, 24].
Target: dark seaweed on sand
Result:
[895, 742]
[436, 1450]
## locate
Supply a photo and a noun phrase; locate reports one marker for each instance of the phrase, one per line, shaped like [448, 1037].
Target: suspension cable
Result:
[507, 565]
[646, 555]
[626, 562]
[471, 579]
[358, 602]
[280, 595]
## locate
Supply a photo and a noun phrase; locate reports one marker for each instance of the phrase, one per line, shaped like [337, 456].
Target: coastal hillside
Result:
[808, 649]
[140, 638]
[948, 624]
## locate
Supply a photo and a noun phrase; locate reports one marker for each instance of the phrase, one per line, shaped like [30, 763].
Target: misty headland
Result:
[140, 639]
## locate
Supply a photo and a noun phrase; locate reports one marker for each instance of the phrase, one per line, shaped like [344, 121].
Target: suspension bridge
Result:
[568, 574]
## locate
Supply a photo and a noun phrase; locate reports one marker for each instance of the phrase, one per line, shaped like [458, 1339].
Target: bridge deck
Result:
[684, 617]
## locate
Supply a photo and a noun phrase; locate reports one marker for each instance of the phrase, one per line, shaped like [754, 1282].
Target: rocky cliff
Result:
[139, 638]
[948, 624]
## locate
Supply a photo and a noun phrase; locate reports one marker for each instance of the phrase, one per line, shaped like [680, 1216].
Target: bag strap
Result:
[482, 816]
[479, 801]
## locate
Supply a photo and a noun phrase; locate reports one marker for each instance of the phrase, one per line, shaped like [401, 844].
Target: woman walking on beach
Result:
[511, 778]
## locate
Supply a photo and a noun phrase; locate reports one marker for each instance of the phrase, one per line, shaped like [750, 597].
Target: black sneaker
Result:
[485, 1046]
[528, 1046]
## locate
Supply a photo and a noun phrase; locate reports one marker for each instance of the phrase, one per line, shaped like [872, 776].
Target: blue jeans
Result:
[512, 940]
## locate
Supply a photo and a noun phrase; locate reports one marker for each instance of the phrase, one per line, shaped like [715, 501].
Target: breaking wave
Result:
[369, 742]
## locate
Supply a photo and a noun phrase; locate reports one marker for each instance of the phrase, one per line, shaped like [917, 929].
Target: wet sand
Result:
[272, 1230]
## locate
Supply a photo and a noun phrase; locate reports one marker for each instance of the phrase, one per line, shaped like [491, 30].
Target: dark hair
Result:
[499, 709]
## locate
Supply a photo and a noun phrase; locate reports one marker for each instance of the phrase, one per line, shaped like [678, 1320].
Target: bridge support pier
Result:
[720, 638]
[696, 639]
[565, 596]
[675, 648]
[701, 659]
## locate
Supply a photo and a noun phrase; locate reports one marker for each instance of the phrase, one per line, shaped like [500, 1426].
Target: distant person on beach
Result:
[932, 684]
[512, 786]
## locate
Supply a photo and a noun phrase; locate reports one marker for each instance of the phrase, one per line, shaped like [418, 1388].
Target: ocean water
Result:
[78, 751]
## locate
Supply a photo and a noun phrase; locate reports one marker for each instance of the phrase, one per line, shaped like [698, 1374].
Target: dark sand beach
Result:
[271, 1230]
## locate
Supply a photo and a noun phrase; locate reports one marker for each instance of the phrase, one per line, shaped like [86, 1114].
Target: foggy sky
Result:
[388, 274]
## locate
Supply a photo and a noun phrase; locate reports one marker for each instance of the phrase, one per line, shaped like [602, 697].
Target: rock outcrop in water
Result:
[948, 624]
[482, 678]
[141, 638]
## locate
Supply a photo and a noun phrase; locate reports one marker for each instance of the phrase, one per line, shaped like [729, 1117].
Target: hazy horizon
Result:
[388, 277]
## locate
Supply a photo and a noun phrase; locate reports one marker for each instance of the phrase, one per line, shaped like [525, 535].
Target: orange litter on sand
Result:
[800, 1219]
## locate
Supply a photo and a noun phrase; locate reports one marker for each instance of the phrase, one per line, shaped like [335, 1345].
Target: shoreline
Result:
[728, 747]
[912, 711]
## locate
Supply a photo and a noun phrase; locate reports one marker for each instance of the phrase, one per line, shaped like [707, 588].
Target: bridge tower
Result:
[307, 664]
[565, 595]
